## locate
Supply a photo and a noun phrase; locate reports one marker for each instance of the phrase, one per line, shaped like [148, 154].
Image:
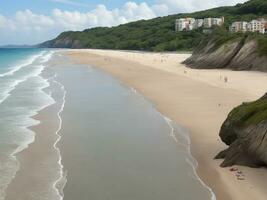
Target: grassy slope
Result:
[159, 35]
[249, 113]
[262, 45]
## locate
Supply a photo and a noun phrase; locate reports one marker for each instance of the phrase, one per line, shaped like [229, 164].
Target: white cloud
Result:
[134, 11]
[2, 21]
[35, 28]
[101, 16]
[161, 9]
[29, 27]
[28, 20]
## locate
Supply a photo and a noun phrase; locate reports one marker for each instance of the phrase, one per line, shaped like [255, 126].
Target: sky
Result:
[35, 21]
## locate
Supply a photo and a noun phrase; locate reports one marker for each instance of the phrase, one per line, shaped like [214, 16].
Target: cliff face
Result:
[65, 42]
[237, 54]
[245, 131]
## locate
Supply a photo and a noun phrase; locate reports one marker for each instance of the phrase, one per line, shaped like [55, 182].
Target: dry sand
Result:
[196, 99]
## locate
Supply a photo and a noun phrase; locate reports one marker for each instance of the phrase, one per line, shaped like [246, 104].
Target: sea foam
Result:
[23, 64]
[62, 179]
[28, 72]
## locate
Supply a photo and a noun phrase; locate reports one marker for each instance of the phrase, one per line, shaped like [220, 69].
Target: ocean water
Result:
[21, 97]
[97, 139]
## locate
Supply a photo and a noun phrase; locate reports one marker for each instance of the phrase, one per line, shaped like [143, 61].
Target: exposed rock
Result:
[245, 131]
[238, 54]
[247, 58]
[65, 42]
[208, 58]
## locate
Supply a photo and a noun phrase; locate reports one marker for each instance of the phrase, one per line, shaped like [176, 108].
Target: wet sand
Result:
[197, 99]
[116, 146]
[38, 164]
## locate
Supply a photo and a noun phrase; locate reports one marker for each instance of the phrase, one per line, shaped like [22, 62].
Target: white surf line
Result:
[17, 82]
[48, 56]
[168, 121]
[213, 196]
[35, 112]
[26, 144]
[58, 139]
[193, 164]
[19, 66]
[172, 134]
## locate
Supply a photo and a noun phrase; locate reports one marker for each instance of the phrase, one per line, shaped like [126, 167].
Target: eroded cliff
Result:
[241, 53]
[245, 131]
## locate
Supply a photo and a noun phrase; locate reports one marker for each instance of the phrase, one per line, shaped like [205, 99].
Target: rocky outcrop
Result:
[238, 54]
[62, 42]
[245, 131]
[247, 58]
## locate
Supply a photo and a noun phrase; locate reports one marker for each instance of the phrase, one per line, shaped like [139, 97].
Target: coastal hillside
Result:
[156, 34]
[225, 50]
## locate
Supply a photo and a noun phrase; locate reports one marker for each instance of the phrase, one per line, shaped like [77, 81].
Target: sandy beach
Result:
[196, 99]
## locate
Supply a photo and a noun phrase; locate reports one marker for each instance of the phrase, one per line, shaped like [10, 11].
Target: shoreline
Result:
[62, 178]
[40, 156]
[143, 72]
[192, 161]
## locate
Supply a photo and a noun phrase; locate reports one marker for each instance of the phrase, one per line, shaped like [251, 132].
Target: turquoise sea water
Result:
[21, 96]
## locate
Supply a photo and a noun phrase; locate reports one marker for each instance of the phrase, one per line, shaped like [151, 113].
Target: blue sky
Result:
[35, 21]
[45, 6]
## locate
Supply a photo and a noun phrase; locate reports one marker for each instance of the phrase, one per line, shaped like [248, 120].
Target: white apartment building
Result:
[238, 27]
[253, 26]
[184, 24]
[189, 24]
[207, 23]
[264, 25]
[256, 26]
[198, 23]
[217, 21]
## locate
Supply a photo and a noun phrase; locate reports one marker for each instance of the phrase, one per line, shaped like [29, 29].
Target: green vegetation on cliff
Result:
[262, 45]
[158, 34]
[221, 36]
[244, 131]
[249, 113]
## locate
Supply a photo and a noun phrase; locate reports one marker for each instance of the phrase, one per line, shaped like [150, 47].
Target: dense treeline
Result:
[159, 34]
